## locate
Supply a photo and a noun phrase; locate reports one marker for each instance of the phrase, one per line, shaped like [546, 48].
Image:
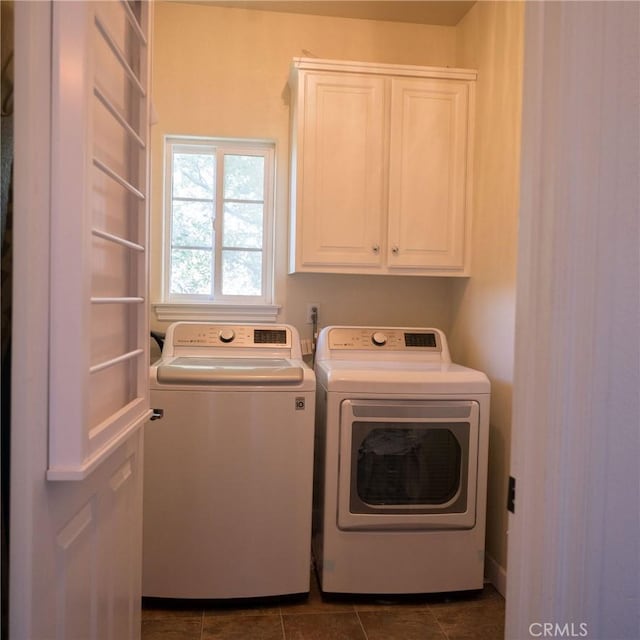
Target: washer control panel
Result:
[388, 339]
[220, 335]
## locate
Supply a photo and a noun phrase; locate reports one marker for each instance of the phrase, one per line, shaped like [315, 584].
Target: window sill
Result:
[204, 312]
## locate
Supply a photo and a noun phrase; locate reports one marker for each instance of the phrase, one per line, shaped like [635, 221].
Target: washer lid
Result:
[235, 371]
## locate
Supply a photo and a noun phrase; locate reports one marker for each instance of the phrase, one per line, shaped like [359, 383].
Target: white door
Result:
[574, 538]
[80, 338]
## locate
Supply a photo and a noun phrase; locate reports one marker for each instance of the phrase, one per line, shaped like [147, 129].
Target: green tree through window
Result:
[219, 213]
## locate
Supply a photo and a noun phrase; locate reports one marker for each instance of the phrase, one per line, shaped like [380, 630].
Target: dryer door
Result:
[408, 464]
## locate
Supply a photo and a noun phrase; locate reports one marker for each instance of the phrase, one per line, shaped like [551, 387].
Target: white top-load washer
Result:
[228, 469]
[401, 463]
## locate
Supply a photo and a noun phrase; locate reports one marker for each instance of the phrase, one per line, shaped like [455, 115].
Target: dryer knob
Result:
[379, 339]
[227, 335]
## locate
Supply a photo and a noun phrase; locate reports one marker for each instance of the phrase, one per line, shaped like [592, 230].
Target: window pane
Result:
[241, 273]
[244, 177]
[191, 271]
[193, 175]
[242, 225]
[192, 224]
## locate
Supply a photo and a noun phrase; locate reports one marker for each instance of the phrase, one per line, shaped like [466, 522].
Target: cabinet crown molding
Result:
[408, 70]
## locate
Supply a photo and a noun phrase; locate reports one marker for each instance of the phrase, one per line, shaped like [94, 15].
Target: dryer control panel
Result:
[386, 338]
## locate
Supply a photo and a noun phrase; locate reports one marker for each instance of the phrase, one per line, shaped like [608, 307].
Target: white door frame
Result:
[30, 331]
[574, 539]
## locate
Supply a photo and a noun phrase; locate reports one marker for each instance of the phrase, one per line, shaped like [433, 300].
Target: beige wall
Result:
[483, 307]
[223, 72]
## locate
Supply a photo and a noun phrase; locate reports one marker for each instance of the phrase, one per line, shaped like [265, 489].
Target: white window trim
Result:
[204, 312]
[180, 307]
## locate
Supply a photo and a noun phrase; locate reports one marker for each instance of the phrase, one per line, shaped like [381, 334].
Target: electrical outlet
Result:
[306, 344]
[310, 308]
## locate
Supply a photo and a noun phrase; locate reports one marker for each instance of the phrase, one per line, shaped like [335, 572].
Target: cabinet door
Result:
[340, 180]
[428, 173]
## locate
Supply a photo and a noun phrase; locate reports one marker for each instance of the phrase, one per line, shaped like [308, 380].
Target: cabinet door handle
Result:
[395, 250]
[376, 248]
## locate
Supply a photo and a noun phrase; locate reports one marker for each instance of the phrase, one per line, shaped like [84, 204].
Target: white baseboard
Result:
[495, 574]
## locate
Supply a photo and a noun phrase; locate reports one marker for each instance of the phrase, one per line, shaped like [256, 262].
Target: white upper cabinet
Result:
[380, 168]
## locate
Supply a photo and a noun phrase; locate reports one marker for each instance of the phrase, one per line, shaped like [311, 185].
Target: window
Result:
[218, 221]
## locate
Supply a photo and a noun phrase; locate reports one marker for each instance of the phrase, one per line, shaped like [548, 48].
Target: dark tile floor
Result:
[461, 616]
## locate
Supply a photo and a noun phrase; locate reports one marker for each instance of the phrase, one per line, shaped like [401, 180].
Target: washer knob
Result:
[379, 339]
[227, 335]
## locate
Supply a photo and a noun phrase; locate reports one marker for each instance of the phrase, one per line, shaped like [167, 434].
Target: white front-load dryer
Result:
[401, 463]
